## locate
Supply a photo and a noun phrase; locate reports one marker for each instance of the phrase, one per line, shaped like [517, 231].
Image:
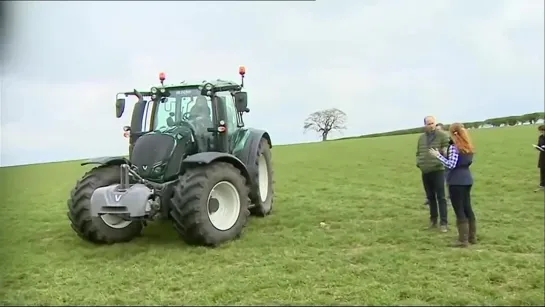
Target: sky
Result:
[386, 64]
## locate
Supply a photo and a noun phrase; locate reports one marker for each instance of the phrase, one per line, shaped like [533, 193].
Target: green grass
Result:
[373, 250]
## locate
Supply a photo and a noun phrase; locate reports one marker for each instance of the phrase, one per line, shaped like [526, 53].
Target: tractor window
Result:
[147, 115]
[164, 111]
[183, 105]
[192, 103]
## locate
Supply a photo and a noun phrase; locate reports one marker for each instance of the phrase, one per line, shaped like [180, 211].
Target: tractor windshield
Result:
[186, 105]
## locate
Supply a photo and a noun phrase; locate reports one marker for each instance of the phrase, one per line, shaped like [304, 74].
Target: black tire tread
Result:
[79, 206]
[258, 209]
[186, 210]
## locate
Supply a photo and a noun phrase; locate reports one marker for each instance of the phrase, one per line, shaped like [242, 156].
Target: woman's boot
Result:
[463, 234]
[472, 238]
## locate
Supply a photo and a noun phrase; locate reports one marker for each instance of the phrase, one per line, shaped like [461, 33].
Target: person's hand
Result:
[434, 152]
[126, 134]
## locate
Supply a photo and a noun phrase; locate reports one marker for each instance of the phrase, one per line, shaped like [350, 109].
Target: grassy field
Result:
[374, 248]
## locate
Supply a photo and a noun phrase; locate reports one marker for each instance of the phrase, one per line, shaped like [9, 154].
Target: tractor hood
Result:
[158, 154]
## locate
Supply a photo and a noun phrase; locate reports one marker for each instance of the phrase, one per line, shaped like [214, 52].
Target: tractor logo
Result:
[117, 197]
[144, 167]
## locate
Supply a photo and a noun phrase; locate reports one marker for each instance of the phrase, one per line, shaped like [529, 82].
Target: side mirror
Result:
[241, 101]
[119, 107]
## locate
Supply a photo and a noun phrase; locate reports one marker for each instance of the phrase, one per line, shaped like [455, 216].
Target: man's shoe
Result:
[472, 237]
[463, 234]
[433, 224]
[443, 228]
[541, 188]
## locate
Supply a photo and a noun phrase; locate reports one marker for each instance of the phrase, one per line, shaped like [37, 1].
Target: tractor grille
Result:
[151, 150]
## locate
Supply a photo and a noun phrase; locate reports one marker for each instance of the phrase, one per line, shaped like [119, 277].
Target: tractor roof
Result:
[184, 84]
[216, 83]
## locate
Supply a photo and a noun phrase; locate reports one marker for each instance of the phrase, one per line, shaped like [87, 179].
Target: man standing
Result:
[438, 127]
[433, 172]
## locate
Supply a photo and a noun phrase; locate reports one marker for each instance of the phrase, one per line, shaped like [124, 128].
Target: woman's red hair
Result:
[460, 137]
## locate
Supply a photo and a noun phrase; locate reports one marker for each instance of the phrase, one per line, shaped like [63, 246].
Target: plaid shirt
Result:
[452, 160]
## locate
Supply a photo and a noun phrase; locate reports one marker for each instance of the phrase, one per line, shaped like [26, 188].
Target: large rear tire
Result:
[210, 204]
[105, 229]
[263, 189]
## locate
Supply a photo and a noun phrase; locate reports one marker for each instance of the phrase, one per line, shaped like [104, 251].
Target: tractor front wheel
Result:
[210, 204]
[106, 228]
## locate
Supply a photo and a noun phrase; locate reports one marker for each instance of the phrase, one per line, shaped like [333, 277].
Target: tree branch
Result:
[325, 121]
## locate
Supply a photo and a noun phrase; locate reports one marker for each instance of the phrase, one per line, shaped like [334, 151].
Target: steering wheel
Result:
[185, 123]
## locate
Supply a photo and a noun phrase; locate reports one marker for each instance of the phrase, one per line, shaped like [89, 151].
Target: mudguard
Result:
[107, 161]
[247, 154]
[214, 156]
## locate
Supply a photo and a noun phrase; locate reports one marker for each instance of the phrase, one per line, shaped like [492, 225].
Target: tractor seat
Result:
[200, 108]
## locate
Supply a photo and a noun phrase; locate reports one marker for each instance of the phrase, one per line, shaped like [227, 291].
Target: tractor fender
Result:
[105, 161]
[248, 153]
[204, 158]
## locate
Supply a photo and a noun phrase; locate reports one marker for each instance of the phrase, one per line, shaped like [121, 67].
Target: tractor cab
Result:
[211, 109]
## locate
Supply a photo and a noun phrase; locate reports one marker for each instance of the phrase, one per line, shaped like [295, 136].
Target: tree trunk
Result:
[324, 136]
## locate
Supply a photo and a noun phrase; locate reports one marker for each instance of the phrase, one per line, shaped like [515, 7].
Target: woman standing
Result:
[459, 181]
[541, 162]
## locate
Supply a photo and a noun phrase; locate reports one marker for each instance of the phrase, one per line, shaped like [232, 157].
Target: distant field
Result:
[374, 249]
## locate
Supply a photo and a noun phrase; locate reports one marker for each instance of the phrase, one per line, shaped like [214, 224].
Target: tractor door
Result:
[224, 111]
[140, 122]
[231, 119]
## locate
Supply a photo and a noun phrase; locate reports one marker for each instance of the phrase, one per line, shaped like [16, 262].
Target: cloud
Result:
[69, 120]
[385, 63]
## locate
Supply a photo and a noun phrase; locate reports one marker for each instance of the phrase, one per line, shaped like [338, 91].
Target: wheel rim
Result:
[263, 178]
[115, 221]
[223, 205]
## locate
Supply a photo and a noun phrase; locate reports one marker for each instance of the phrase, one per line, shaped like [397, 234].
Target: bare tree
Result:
[326, 121]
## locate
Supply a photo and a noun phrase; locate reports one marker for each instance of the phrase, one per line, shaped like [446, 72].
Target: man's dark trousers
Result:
[434, 185]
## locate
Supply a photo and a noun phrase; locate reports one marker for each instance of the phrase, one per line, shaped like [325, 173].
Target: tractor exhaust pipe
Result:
[124, 185]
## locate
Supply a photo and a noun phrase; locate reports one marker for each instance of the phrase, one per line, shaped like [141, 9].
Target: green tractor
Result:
[191, 161]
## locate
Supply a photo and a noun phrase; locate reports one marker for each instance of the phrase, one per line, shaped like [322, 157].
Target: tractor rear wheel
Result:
[106, 228]
[263, 190]
[210, 204]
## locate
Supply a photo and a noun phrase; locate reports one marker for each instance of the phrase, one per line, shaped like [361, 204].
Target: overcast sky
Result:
[386, 63]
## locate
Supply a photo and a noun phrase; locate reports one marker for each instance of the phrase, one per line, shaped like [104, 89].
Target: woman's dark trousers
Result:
[460, 197]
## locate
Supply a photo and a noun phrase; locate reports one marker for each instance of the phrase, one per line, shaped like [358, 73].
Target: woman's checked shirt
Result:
[452, 159]
[457, 165]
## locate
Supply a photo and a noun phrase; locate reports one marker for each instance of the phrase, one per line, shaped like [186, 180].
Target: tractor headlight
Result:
[154, 90]
[207, 89]
[153, 97]
[163, 90]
